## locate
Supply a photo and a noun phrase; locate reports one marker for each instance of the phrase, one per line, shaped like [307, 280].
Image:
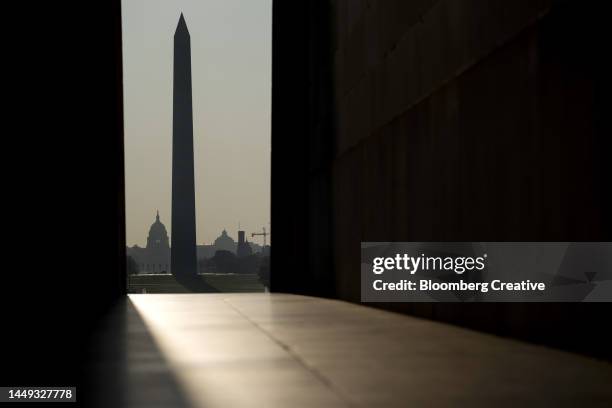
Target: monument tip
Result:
[182, 25]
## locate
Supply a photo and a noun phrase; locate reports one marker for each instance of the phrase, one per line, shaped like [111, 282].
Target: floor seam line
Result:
[318, 375]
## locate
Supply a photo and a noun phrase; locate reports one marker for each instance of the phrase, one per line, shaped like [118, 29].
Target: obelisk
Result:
[183, 256]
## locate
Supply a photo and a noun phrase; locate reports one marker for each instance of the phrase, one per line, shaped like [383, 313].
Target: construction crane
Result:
[264, 234]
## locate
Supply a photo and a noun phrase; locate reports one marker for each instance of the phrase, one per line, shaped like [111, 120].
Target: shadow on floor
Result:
[128, 368]
[196, 284]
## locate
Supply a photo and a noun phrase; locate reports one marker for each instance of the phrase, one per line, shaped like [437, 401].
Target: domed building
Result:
[157, 241]
[155, 257]
[225, 243]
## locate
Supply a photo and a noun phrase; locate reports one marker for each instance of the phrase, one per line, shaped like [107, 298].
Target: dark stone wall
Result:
[441, 120]
[63, 201]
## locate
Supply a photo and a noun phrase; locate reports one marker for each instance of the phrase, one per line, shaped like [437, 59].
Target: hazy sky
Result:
[231, 77]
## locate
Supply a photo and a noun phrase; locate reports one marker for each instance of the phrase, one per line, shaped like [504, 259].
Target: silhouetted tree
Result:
[264, 271]
[249, 264]
[202, 265]
[131, 266]
[225, 262]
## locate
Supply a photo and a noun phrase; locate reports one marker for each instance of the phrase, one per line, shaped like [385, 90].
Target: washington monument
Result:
[183, 258]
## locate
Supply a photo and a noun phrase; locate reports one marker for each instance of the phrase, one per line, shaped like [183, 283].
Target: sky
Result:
[231, 77]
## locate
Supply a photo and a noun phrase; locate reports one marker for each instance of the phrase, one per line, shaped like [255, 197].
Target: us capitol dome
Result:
[158, 236]
[155, 257]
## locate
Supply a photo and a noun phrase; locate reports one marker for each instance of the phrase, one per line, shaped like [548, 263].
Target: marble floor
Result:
[276, 350]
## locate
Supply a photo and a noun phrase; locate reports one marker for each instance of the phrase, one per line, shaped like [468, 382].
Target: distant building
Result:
[259, 249]
[222, 243]
[155, 258]
[206, 251]
[225, 243]
[243, 249]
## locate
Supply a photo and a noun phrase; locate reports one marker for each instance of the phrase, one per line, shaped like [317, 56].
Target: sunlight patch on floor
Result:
[222, 359]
